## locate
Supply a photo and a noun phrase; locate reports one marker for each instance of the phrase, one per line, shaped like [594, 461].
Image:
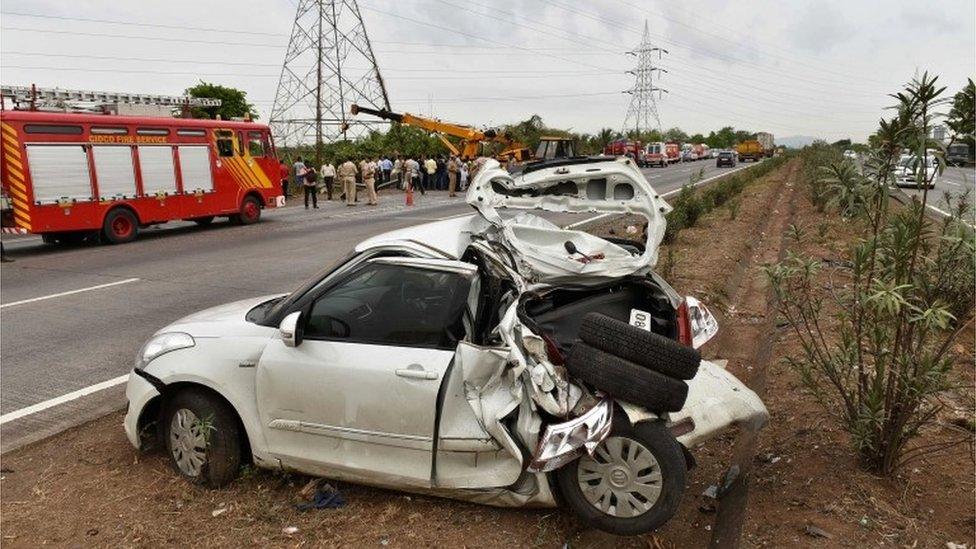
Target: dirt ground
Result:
[88, 487]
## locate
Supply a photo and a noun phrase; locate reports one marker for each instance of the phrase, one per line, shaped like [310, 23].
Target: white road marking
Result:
[706, 180]
[947, 214]
[61, 294]
[57, 401]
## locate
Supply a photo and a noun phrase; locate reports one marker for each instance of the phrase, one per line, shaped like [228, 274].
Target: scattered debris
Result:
[951, 545]
[325, 497]
[219, 511]
[817, 532]
[711, 492]
[289, 530]
[707, 508]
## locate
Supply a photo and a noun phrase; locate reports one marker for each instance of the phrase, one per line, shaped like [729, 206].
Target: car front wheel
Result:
[203, 437]
[633, 482]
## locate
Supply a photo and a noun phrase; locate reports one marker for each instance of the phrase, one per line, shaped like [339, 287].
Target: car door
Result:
[356, 398]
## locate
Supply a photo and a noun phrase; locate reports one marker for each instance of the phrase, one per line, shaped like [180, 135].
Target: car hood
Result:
[222, 320]
[610, 186]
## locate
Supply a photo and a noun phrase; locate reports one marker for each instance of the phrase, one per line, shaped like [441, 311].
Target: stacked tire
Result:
[633, 365]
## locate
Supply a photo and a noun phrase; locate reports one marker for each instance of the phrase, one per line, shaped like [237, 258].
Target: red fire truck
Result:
[626, 147]
[68, 175]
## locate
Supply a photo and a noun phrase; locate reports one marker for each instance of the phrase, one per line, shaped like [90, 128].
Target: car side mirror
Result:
[291, 330]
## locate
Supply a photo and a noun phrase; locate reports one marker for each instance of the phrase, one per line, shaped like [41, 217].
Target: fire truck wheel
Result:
[49, 238]
[250, 211]
[120, 226]
[205, 220]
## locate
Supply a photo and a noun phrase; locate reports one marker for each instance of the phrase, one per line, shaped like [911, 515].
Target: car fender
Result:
[225, 366]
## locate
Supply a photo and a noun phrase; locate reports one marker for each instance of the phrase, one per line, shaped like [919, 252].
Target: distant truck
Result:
[768, 143]
[628, 148]
[959, 154]
[656, 154]
[751, 150]
[674, 152]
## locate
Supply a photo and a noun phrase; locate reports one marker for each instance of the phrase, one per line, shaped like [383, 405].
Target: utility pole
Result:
[642, 114]
[329, 65]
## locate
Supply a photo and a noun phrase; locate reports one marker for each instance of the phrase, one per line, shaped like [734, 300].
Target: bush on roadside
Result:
[692, 203]
[911, 293]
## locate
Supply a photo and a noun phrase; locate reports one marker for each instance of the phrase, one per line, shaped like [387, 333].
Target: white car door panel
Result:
[357, 397]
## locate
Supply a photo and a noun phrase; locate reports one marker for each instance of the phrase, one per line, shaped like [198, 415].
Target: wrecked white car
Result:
[501, 360]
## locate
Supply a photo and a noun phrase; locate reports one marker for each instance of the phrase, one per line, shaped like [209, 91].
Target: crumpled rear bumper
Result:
[717, 402]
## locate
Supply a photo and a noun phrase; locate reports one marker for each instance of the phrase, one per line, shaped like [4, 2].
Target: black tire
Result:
[625, 380]
[250, 211]
[655, 437]
[120, 226]
[641, 347]
[203, 221]
[222, 452]
[50, 238]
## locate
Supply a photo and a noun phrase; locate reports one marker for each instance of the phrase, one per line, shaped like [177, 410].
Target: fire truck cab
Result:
[69, 175]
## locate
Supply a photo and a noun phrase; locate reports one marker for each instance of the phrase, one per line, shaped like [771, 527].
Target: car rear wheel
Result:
[633, 482]
[203, 438]
[120, 226]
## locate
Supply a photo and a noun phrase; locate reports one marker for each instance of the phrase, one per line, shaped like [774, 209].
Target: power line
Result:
[440, 75]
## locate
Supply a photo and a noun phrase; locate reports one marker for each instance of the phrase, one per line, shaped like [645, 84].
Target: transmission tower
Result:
[642, 114]
[329, 65]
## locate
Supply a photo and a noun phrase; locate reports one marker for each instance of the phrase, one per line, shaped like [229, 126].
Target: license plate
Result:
[640, 319]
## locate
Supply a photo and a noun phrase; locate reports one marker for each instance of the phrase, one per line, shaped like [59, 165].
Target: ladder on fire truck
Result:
[36, 97]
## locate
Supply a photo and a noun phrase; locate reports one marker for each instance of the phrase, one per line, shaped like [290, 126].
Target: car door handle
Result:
[416, 373]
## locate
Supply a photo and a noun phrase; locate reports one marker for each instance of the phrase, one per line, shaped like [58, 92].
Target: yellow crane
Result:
[471, 137]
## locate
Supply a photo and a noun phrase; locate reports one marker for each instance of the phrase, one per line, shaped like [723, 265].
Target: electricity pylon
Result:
[329, 65]
[642, 114]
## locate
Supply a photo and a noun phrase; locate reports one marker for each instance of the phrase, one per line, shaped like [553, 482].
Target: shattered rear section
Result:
[540, 248]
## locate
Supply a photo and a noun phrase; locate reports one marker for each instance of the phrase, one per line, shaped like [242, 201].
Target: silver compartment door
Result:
[59, 171]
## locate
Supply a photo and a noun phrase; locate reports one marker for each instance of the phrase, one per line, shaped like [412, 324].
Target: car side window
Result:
[225, 143]
[392, 305]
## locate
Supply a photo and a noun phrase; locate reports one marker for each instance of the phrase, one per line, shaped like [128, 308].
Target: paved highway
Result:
[72, 319]
[954, 182]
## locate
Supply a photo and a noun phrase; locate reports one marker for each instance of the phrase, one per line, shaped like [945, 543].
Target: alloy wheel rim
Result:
[622, 478]
[188, 442]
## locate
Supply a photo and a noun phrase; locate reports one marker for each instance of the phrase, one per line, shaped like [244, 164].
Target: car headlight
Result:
[161, 344]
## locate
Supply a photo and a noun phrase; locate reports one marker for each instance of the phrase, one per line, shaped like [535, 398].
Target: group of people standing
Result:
[431, 173]
[347, 173]
[405, 172]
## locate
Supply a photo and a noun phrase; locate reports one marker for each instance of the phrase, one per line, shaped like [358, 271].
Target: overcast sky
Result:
[792, 68]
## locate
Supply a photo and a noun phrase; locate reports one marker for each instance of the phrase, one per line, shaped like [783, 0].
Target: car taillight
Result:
[684, 323]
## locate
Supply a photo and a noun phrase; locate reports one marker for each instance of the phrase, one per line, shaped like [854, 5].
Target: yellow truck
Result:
[750, 150]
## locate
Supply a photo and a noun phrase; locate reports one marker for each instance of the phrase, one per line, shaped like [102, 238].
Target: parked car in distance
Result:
[907, 172]
[850, 154]
[501, 360]
[725, 158]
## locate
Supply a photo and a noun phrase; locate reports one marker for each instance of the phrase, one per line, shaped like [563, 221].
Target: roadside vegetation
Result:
[876, 336]
[692, 203]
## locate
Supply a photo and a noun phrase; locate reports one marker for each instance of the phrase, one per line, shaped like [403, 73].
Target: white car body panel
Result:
[612, 186]
[346, 410]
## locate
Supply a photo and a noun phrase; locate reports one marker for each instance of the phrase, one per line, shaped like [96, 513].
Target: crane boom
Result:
[470, 136]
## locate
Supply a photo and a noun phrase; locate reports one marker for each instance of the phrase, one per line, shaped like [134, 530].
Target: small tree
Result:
[233, 102]
[911, 292]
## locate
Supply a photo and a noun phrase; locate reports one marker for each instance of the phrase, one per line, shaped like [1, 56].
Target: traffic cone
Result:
[409, 195]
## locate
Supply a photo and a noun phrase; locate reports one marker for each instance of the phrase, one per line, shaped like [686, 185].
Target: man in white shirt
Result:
[328, 177]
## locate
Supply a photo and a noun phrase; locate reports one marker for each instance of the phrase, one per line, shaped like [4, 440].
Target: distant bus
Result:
[69, 175]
